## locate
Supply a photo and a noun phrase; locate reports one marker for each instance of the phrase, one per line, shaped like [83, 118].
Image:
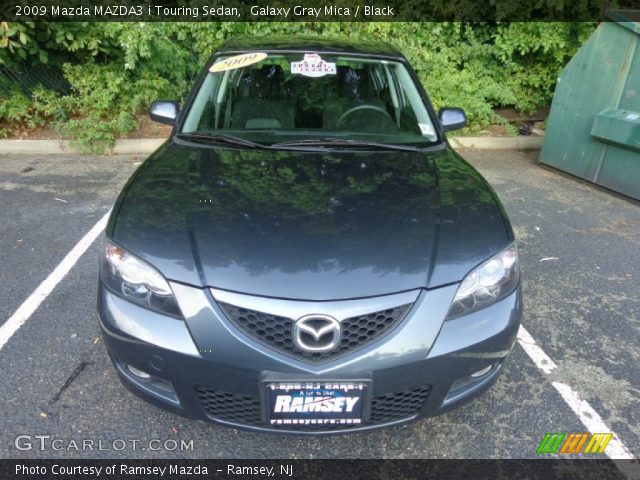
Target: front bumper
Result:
[206, 368]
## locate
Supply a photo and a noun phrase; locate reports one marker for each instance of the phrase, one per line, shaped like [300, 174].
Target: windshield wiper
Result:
[220, 138]
[294, 144]
[343, 142]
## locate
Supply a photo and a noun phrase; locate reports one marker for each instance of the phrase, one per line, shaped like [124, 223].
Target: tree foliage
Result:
[116, 69]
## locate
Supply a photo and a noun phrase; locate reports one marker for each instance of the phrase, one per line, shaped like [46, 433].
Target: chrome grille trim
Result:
[294, 309]
[363, 321]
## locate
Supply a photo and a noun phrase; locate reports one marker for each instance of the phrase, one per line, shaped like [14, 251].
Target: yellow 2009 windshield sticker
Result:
[237, 61]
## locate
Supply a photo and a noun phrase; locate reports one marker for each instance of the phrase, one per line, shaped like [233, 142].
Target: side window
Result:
[402, 99]
[226, 96]
[382, 87]
[202, 113]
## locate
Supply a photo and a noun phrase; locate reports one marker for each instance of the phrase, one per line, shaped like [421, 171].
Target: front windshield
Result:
[279, 97]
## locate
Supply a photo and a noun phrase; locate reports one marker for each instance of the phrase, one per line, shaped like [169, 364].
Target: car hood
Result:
[309, 225]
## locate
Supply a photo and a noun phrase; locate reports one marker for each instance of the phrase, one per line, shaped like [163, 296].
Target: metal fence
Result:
[26, 77]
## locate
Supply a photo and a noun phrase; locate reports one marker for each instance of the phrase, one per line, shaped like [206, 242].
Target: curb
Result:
[497, 143]
[148, 145]
[47, 147]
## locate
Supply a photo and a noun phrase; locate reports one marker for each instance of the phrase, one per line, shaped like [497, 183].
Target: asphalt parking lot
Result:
[580, 269]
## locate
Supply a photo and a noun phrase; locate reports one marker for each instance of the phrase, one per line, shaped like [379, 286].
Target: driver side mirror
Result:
[452, 118]
[164, 111]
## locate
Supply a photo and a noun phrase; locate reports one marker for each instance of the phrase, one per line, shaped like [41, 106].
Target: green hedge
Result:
[116, 69]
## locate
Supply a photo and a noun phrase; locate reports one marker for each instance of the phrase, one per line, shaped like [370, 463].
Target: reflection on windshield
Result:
[273, 98]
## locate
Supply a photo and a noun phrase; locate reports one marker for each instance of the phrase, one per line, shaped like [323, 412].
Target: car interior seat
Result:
[261, 102]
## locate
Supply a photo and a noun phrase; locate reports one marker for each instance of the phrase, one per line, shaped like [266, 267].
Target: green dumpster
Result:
[593, 130]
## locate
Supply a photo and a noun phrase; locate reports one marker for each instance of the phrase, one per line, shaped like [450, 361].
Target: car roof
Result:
[308, 44]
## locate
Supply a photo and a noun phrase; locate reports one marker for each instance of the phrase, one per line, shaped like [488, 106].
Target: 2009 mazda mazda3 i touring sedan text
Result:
[305, 252]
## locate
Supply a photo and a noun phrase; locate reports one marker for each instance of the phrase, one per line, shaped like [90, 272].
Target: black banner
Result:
[311, 10]
[317, 469]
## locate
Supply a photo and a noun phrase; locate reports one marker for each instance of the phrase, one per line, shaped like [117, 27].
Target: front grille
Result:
[231, 407]
[406, 403]
[276, 332]
[246, 410]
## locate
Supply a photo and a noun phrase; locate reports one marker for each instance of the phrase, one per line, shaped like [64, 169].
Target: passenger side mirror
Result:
[452, 118]
[164, 111]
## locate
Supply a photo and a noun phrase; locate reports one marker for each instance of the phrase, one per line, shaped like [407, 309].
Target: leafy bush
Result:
[105, 101]
[116, 69]
[20, 111]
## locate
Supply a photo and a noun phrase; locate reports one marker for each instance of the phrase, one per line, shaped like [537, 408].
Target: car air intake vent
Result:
[242, 409]
[405, 403]
[277, 332]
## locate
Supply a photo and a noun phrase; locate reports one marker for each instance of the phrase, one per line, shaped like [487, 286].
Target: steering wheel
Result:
[363, 107]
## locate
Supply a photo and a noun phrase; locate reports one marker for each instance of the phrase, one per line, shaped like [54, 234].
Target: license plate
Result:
[315, 403]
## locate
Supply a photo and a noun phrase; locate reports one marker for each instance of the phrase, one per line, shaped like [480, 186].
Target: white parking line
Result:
[30, 305]
[542, 361]
[585, 412]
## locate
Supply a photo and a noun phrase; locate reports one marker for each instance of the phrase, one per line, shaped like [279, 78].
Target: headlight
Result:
[137, 281]
[487, 283]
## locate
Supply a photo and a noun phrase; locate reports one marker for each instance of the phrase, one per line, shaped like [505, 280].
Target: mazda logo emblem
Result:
[316, 333]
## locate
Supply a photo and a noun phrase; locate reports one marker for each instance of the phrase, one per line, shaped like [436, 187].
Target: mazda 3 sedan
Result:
[306, 253]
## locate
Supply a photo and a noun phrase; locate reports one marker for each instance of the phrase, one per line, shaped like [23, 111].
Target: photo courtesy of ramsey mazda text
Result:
[306, 253]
